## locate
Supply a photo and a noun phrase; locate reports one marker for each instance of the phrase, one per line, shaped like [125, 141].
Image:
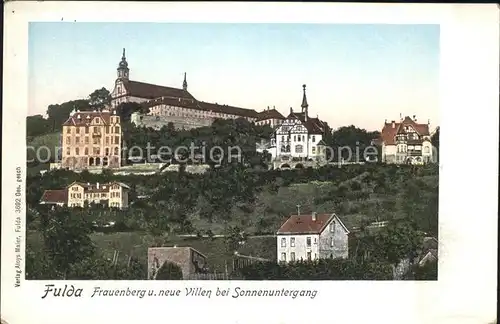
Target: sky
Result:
[355, 74]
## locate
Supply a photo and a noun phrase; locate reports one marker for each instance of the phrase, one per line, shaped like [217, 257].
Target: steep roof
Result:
[390, 130]
[82, 118]
[54, 196]
[153, 91]
[270, 114]
[304, 224]
[313, 125]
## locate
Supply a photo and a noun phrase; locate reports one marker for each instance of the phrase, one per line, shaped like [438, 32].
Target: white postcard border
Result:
[466, 289]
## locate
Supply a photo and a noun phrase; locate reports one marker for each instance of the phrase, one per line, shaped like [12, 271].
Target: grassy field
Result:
[136, 244]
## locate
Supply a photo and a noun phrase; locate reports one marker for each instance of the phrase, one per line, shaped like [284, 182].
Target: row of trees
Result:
[216, 195]
[68, 252]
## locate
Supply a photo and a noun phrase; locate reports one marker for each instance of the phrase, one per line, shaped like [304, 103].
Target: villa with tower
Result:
[298, 139]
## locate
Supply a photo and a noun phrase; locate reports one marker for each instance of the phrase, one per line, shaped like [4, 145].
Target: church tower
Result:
[122, 70]
[304, 105]
[185, 84]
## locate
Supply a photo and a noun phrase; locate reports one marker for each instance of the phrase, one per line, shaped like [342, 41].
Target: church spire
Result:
[304, 102]
[185, 84]
[123, 70]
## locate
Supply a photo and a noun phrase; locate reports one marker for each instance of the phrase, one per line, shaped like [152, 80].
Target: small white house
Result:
[311, 237]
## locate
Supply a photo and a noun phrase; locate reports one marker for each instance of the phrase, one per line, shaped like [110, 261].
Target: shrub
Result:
[169, 271]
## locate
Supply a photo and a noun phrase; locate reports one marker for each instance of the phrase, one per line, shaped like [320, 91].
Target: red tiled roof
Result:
[313, 125]
[83, 118]
[270, 114]
[178, 102]
[225, 109]
[304, 224]
[389, 131]
[153, 91]
[54, 196]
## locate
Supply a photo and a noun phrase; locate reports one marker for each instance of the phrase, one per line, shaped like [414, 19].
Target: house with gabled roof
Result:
[313, 236]
[271, 117]
[406, 142]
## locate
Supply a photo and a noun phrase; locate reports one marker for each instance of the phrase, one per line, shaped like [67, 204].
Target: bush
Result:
[169, 271]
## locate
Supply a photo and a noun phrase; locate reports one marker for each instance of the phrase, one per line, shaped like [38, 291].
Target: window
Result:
[315, 240]
[292, 241]
[292, 256]
[77, 151]
[308, 241]
[107, 151]
[116, 151]
[86, 140]
[283, 242]
[294, 137]
[298, 148]
[313, 138]
[68, 140]
[68, 130]
[68, 151]
[107, 140]
[117, 129]
[426, 149]
[96, 129]
[331, 241]
[282, 138]
[309, 256]
[332, 227]
[78, 130]
[86, 151]
[86, 129]
[315, 256]
[96, 120]
[117, 139]
[96, 140]
[77, 139]
[283, 256]
[107, 129]
[313, 150]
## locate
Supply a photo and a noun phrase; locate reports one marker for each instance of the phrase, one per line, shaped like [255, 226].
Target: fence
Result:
[208, 276]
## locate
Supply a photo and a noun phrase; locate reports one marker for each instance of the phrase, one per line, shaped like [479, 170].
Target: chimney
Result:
[313, 216]
[298, 210]
[385, 121]
[393, 124]
[428, 121]
[291, 110]
[267, 107]
[400, 116]
[274, 107]
[414, 118]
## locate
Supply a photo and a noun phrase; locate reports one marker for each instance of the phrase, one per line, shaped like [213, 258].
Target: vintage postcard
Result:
[230, 155]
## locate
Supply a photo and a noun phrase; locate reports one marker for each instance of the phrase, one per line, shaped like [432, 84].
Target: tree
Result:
[59, 113]
[126, 109]
[67, 238]
[37, 125]
[99, 98]
[169, 271]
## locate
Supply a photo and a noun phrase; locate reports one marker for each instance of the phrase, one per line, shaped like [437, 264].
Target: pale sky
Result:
[355, 74]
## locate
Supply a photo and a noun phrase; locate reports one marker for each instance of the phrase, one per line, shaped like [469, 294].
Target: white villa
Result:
[311, 237]
[406, 142]
[298, 137]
